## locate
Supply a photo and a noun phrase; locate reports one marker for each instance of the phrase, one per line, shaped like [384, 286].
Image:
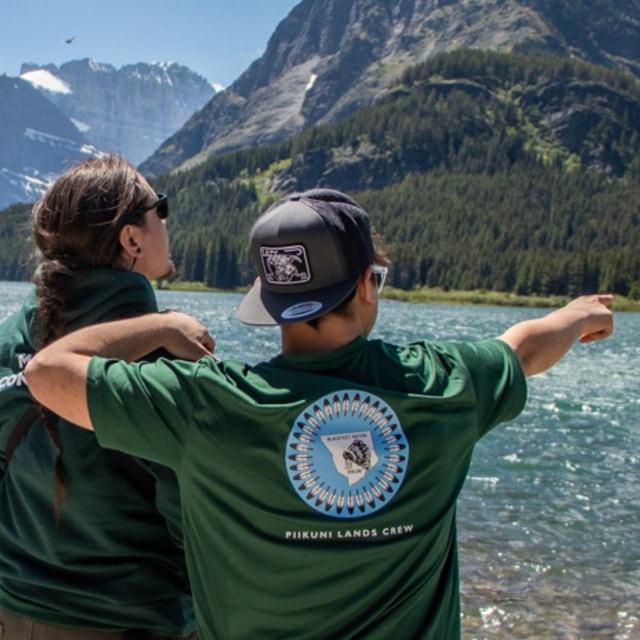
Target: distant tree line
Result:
[16, 248]
[567, 233]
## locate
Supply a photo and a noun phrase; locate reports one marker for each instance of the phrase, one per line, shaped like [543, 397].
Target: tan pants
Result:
[15, 627]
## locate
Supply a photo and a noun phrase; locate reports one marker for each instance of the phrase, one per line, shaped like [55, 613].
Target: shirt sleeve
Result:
[144, 409]
[498, 380]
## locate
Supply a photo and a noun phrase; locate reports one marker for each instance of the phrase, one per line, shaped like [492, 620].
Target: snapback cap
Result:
[310, 249]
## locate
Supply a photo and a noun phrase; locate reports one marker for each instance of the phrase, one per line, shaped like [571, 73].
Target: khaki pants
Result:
[15, 627]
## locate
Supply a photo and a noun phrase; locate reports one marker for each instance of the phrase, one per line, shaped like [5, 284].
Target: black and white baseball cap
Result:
[310, 249]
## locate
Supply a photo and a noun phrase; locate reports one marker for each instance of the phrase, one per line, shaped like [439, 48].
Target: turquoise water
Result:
[549, 519]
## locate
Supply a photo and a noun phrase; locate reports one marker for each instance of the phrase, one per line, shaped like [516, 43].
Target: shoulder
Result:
[480, 362]
[471, 353]
[101, 295]
[17, 335]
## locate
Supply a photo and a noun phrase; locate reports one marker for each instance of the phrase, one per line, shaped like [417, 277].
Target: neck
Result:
[332, 333]
[335, 330]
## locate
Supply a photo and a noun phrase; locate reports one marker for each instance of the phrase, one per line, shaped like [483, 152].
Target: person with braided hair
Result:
[90, 539]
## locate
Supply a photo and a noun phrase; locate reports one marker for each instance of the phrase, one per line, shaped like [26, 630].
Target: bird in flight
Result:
[70, 40]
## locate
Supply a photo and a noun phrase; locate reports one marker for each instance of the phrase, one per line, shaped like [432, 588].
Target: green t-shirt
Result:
[114, 559]
[318, 492]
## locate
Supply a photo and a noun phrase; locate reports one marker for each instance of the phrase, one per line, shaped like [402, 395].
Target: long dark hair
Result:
[76, 227]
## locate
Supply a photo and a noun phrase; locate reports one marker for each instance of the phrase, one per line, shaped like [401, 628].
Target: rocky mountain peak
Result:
[327, 58]
[131, 110]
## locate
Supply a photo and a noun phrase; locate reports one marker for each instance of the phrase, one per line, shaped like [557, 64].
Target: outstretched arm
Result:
[57, 375]
[540, 343]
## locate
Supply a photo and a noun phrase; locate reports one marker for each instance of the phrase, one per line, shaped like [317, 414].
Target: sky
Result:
[218, 39]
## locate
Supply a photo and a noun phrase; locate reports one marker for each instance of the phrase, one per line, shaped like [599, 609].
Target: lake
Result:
[549, 518]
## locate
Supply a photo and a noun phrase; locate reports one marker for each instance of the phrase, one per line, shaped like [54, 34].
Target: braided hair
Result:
[76, 227]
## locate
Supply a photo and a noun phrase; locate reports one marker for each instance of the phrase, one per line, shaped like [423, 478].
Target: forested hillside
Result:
[328, 58]
[480, 170]
[16, 253]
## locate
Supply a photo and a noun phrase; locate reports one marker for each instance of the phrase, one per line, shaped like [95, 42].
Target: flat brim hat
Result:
[310, 249]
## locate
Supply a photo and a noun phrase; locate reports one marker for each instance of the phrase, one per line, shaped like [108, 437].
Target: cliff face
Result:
[331, 57]
[38, 141]
[604, 32]
[131, 110]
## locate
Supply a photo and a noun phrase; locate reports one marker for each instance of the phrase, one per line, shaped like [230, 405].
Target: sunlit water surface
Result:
[549, 519]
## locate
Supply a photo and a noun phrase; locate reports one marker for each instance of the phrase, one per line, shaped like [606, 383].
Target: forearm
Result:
[540, 343]
[57, 375]
[128, 339]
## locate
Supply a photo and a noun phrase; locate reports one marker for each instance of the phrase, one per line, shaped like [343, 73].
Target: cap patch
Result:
[301, 310]
[285, 265]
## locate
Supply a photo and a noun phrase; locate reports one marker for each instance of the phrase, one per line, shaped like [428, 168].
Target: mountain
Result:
[328, 58]
[481, 105]
[517, 173]
[480, 170]
[131, 110]
[38, 141]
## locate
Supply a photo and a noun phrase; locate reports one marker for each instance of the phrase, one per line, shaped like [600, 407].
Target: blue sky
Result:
[216, 38]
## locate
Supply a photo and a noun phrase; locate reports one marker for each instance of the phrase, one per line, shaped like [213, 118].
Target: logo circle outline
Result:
[319, 469]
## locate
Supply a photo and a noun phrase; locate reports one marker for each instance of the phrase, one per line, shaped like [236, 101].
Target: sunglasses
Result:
[161, 205]
[380, 274]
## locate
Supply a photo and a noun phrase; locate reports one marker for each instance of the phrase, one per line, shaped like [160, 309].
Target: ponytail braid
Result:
[75, 227]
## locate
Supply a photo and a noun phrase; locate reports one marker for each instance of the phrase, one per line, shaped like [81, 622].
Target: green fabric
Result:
[114, 560]
[265, 560]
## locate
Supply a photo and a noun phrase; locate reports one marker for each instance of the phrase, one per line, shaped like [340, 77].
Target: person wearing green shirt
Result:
[90, 539]
[319, 487]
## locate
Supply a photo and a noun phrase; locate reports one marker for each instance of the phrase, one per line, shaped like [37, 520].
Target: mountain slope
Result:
[331, 57]
[480, 170]
[470, 107]
[38, 141]
[131, 110]
[529, 164]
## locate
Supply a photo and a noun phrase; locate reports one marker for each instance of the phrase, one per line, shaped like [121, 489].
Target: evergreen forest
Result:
[480, 170]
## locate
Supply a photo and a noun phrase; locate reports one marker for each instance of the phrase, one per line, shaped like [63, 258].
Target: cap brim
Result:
[251, 309]
[265, 308]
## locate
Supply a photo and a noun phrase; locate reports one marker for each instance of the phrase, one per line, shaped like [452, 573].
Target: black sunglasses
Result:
[161, 205]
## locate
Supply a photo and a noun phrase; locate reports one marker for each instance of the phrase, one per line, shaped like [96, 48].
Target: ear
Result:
[366, 287]
[129, 239]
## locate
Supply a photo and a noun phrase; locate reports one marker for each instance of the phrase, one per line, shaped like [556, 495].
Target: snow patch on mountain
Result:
[29, 182]
[43, 79]
[57, 141]
[80, 126]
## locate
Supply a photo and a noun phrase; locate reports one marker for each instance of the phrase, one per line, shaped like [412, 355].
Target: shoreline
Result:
[433, 295]
[437, 295]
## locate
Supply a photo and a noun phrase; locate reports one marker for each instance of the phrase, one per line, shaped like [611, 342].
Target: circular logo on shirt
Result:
[347, 455]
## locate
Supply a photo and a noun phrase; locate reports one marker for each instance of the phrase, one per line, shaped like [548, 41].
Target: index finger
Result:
[604, 298]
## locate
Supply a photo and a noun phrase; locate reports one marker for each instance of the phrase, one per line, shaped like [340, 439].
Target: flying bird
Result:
[70, 40]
